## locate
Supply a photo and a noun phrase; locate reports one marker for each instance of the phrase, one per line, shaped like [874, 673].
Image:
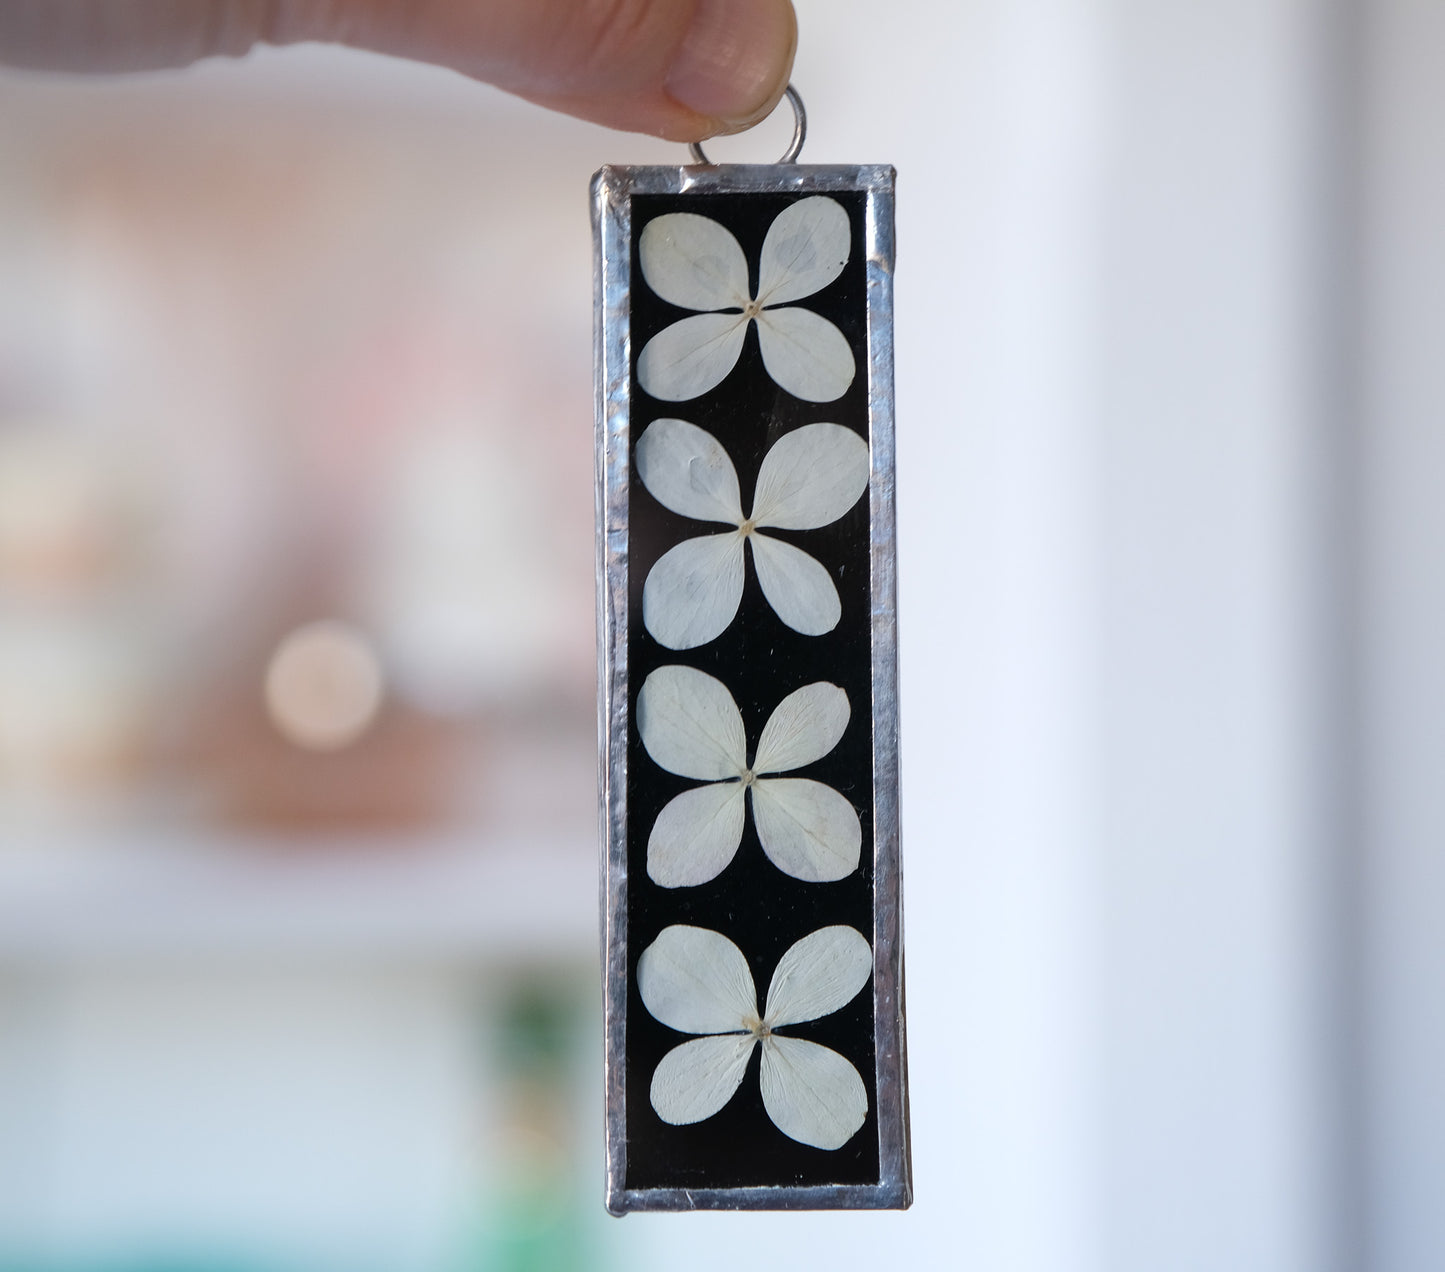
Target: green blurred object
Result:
[533, 1220]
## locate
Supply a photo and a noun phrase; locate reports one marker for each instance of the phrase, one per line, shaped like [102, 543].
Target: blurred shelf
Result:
[458, 896]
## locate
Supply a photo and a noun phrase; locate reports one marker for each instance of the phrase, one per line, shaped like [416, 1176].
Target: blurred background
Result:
[298, 961]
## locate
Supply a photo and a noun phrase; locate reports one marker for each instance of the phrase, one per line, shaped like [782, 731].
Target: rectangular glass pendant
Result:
[753, 961]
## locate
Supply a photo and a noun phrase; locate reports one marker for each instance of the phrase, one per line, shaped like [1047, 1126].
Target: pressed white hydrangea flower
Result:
[810, 478]
[697, 981]
[691, 726]
[693, 262]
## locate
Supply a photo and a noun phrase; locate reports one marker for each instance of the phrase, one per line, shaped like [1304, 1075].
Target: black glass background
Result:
[760, 660]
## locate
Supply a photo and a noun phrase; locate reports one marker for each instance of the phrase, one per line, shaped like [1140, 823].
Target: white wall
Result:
[1402, 633]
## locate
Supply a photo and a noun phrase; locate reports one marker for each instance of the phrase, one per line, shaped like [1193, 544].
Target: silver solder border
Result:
[612, 191]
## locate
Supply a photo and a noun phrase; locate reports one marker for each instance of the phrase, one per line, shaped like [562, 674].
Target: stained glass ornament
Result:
[753, 960]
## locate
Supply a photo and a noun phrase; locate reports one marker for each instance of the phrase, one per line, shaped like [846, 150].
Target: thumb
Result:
[682, 69]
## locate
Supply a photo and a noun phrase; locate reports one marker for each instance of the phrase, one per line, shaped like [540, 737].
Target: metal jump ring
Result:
[795, 147]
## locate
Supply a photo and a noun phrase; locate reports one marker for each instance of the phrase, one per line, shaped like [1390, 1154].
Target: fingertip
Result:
[732, 66]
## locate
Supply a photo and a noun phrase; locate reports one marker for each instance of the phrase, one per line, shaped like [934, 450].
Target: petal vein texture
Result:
[696, 981]
[693, 1081]
[818, 975]
[686, 469]
[692, 593]
[693, 262]
[796, 585]
[805, 353]
[810, 477]
[808, 830]
[812, 1093]
[696, 835]
[806, 247]
[690, 724]
[693, 355]
[804, 727]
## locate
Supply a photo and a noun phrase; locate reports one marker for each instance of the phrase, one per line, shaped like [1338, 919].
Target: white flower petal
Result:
[690, 724]
[693, 1081]
[693, 590]
[805, 250]
[696, 981]
[694, 355]
[812, 1093]
[807, 355]
[696, 835]
[821, 973]
[807, 829]
[686, 469]
[804, 727]
[810, 478]
[692, 261]
[796, 586]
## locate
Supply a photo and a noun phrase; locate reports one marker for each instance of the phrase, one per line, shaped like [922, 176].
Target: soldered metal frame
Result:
[612, 192]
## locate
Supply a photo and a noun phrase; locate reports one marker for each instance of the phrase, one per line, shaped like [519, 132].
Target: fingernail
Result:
[734, 60]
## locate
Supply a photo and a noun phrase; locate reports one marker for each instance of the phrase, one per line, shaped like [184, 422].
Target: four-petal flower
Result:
[693, 262]
[810, 478]
[697, 981]
[691, 726]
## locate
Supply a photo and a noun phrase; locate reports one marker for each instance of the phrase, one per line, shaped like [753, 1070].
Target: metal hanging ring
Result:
[795, 147]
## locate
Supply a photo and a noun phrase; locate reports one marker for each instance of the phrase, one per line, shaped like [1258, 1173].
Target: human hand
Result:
[681, 69]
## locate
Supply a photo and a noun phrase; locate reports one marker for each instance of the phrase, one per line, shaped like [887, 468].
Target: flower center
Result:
[749, 777]
[758, 1028]
[746, 528]
[751, 310]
